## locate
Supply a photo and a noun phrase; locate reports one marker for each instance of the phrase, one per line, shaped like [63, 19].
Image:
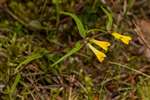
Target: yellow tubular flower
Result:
[123, 38]
[100, 55]
[126, 39]
[103, 44]
[117, 35]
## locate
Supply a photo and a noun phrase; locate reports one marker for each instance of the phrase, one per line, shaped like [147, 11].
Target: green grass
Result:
[143, 89]
[44, 56]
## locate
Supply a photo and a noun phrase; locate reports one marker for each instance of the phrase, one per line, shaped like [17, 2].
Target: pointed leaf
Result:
[78, 22]
[77, 47]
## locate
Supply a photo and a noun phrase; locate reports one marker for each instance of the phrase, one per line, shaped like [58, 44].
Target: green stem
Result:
[132, 69]
[57, 13]
[97, 30]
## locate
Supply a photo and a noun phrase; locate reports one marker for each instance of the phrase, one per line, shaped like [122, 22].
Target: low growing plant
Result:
[89, 41]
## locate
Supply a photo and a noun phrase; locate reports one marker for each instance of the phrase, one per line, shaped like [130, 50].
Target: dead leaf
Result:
[96, 97]
[2, 2]
[143, 31]
[145, 28]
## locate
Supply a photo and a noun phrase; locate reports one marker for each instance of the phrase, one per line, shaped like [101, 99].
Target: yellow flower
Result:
[126, 39]
[100, 55]
[123, 38]
[103, 44]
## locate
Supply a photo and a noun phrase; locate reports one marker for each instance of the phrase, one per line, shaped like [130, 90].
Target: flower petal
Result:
[100, 55]
[126, 39]
[116, 35]
[103, 44]
[123, 38]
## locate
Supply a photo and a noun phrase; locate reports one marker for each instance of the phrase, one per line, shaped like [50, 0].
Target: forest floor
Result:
[46, 50]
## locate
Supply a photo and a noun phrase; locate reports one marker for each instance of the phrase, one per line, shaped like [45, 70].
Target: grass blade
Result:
[33, 56]
[77, 47]
[13, 88]
[143, 88]
[129, 68]
[110, 18]
[57, 2]
[78, 22]
[129, 6]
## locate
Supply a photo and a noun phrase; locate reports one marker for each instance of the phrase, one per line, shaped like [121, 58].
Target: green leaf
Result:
[110, 18]
[77, 47]
[13, 88]
[78, 22]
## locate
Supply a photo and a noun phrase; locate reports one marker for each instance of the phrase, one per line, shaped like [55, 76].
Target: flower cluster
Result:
[104, 45]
